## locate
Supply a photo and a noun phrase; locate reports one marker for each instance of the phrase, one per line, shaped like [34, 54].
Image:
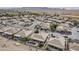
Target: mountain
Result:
[59, 10]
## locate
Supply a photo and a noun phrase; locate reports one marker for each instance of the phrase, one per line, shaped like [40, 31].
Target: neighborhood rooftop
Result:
[39, 36]
[41, 30]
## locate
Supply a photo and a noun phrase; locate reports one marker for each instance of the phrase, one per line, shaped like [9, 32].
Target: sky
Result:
[39, 3]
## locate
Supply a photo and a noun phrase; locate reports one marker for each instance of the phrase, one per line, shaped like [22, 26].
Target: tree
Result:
[67, 41]
[53, 27]
[36, 31]
[23, 40]
[75, 23]
[56, 15]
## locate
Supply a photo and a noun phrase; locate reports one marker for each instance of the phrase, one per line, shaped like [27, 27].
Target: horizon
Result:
[68, 8]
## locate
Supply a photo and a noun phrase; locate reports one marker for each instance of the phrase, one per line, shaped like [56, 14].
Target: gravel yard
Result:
[9, 45]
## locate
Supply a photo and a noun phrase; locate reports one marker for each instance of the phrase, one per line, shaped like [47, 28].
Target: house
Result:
[56, 43]
[22, 34]
[21, 23]
[56, 20]
[38, 38]
[63, 29]
[3, 29]
[45, 25]
[26, 20]
[74, 47]
[10, 32]
[3, 18]
[69, 24]
[1, 26]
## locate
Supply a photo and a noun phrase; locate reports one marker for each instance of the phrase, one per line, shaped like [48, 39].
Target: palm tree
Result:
[67, 40]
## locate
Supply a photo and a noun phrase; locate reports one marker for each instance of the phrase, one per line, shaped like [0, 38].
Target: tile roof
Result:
[56, 42]
[3, 29]
[74, 46]
[24, 33]
[12, 30]
[41, 36]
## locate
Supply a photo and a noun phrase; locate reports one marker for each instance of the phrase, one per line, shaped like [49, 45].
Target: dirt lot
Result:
[9, 45]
